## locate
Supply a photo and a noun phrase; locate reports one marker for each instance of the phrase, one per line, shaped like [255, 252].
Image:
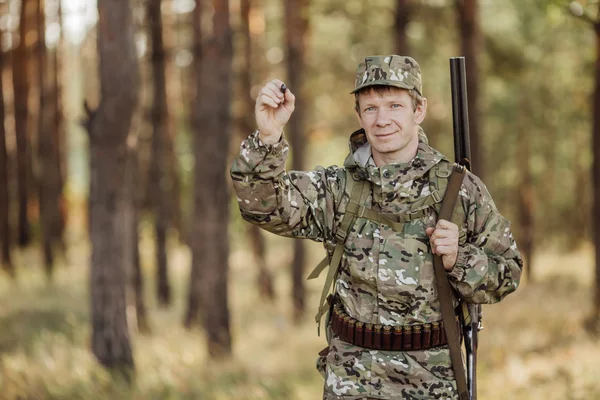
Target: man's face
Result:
[391, 124]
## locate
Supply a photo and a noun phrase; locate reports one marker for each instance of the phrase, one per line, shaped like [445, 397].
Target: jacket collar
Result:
[360, 161]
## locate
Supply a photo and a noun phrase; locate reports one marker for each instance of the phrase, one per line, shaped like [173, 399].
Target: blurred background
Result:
[127, 272]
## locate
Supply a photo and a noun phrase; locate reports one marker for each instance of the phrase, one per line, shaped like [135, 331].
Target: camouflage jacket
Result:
[386, 277]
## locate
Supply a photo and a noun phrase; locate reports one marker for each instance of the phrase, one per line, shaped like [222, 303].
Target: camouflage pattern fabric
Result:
[352, 372]
[386, 277]
[399, 71]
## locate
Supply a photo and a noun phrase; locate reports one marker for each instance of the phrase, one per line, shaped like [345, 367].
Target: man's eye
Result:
[369, 108]
[396, 105]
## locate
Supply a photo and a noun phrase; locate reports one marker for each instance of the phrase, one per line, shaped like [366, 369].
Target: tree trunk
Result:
[169, 27]
[60, 139]
[210, 244]
[403, 14]
[48, 175]
[160, 177]
[5, 257]
[264, 281]
[255, 235]
[296, 24]
[137, 276]
[21, 96]
[43, 139]
[468, 15]
[525, 188]
[192, 315]
[111, 198]
[596, 169]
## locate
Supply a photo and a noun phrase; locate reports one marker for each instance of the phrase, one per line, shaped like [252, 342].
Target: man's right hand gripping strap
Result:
[444, 290]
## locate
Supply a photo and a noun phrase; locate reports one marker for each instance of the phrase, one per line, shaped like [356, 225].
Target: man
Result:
[386, 280]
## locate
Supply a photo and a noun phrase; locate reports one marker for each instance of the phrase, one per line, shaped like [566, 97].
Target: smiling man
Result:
[377, 218]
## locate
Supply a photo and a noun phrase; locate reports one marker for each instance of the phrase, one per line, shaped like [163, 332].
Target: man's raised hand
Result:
[273, 110]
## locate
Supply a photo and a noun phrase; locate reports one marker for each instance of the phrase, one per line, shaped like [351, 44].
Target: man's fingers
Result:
[443, 239]
[445, 250]
[277, 83]
[273, 89]
[442, 234]
[266, 99]
[267, 91]
[443, 224]
[445, 242]
[289, 96]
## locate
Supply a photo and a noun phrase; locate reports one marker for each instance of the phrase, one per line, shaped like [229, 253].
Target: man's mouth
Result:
[382, 135]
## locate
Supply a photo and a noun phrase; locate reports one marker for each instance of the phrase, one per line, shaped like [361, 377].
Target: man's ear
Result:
[421, 111]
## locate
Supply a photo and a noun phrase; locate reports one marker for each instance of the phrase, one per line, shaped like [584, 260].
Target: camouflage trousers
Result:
[353, 372]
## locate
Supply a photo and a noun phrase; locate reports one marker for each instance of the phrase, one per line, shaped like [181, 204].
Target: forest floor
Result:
[533, 345]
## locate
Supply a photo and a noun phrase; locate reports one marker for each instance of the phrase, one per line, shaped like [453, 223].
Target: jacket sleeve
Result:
[293, 204]
[489, 264]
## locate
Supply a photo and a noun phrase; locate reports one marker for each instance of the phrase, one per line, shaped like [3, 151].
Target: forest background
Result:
[127, 271]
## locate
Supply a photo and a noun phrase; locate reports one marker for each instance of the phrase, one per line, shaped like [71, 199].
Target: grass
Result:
[533, 347]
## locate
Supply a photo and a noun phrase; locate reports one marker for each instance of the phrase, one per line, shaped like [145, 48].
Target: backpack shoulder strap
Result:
[359, 191]
[438, 180]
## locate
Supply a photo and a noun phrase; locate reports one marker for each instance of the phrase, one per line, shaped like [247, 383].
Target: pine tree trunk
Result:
[192, 316]
[254, 233]
[160, 177]
[48, 175]
[172, 71]
[403, 15]
[137, 276]
[525, 189]
[111, 194]
[21, 96]
[468, 13]
[210, 245]
[296, 24]
[43, 139]
[5, 256]
[60, 139]
[596, 170]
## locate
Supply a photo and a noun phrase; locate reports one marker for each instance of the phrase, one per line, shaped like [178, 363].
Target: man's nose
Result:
[383, 118]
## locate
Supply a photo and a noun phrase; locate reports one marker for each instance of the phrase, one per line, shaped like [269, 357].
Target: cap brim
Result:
[397, 84]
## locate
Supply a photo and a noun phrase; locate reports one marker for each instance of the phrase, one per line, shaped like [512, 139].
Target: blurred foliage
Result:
[534, 53]
[536, 71]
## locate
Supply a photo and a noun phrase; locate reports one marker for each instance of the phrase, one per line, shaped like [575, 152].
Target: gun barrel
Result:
[471, 372]
[460, 111]
[462, 155]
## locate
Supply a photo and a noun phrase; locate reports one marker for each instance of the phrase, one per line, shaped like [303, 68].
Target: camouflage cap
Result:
[392, 70]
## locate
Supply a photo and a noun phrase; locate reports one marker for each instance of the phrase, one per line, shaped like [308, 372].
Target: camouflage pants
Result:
[352, 372]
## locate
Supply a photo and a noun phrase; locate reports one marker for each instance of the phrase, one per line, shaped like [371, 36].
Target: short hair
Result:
[417, 99]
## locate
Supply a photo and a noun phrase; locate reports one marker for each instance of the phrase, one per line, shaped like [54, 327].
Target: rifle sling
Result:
[444, 290]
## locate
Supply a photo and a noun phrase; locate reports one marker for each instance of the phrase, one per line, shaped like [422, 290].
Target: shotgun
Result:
[469, 314]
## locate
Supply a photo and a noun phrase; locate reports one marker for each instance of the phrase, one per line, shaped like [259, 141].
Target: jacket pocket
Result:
[347, 369]
[322, 361]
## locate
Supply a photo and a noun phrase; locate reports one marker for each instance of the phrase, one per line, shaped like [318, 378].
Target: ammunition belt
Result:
[387, 337]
